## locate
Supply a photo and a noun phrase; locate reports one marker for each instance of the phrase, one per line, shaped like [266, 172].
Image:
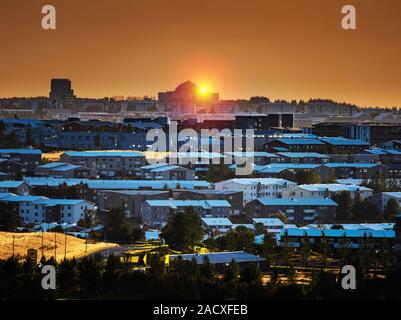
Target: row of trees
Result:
[11, 140]
[358, 210]
[382, 183]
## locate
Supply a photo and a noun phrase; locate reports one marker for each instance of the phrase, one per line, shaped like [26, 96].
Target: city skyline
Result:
[282, 51]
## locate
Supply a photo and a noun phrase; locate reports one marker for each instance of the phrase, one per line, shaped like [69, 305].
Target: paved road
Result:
[116, 251]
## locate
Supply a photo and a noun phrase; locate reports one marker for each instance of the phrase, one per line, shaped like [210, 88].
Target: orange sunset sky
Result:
[284, 49]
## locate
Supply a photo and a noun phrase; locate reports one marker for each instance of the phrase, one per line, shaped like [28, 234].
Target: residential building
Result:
[212, 224]
[303, 157]
[380, 199]
[235, 198]
[356, 170]
[272, 225]
[343, 145]
[258, 158]
[130, 200]
[28, 158]
[64, 171]
[363, 157]
[36, 209]
[288, 170]
[373, 133]
[296, 145]
[254, 188]
[107, 164]
[164, 171]
[326, 191]
[299, 211]
[336, 238]
[89, 188]
[14, 169]
[17, 187]
[156, 212]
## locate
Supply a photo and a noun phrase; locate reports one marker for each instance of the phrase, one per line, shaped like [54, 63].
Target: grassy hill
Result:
[23, 241]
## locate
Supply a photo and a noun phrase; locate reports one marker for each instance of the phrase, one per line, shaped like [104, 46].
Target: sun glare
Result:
[203, 90]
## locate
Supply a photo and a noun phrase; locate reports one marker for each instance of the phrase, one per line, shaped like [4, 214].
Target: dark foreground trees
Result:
[183, 230]
[9, 217]
[96, 279]
[120, 228]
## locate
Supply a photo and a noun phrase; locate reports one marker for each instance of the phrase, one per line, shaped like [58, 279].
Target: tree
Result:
[240, 239]
[391, 210]
[207, 269]
[332, 178]
[231, 273]
[324, 250]
[67, 275]
[9, 217]
[378, 183]
[306, 177]
[183, 229]
[119, 227]
[2, 129]
[269, 245]
[89, 219]
[344, 250]
[281, 216]
[89, 275]
[250, 273]
[286, 248]
[11, 141]
[98, 141]
[217, 172]
[343, 211]
[305, 249]
[358, 208]
[30, 138]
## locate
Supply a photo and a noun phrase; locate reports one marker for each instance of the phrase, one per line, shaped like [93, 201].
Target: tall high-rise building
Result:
[61, 93]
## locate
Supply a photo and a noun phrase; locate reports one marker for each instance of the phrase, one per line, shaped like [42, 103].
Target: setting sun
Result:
[203, 90]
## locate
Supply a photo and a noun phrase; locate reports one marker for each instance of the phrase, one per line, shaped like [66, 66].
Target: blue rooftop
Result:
[21, 151]
[284, 166]
[269, 221]
[58, 166]
[339, 233]
[217, 222]
[300, 141]
[343, 141]
[351, 165]
[10, 184]
[31, 122]
[296, 202]
[56, 202]
[303, 155]
[205, 204]
[220, 257]
[118, 184]
[251, 154]
[126, 154]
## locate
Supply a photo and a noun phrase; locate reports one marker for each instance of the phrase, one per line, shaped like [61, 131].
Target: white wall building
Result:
[380, 199]
[217, 224]
[326, 191]
[254, 188]
[36, 209]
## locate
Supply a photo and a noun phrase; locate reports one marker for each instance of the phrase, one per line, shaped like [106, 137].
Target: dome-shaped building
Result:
[186, 91]
[186, 98]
